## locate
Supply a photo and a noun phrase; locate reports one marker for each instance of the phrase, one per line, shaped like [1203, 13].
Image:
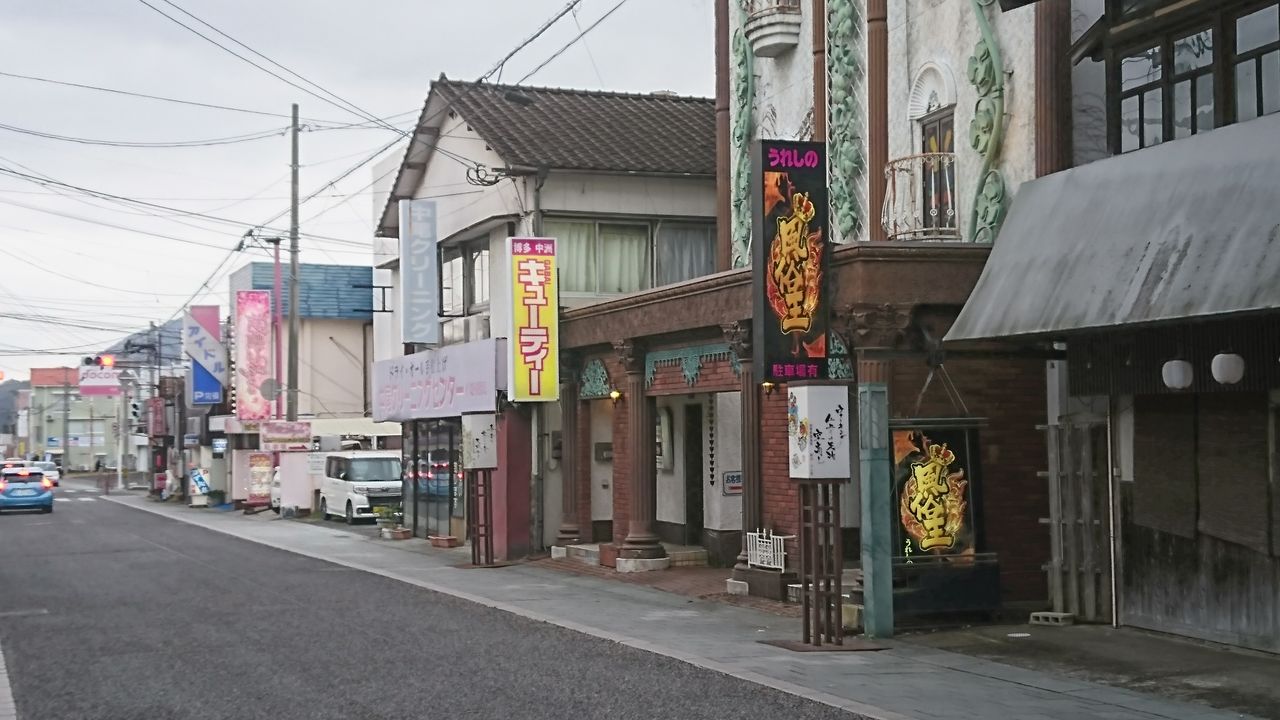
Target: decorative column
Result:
[569, 532]
[875, 329]
[1053, 86]
[877, 109]
[724, 190]
[641, 541]
[738, 335]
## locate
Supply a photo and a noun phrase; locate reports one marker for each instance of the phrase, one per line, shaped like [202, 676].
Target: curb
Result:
[869, 712]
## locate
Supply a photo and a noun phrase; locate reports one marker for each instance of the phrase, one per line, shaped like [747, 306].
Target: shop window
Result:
[1257, 63]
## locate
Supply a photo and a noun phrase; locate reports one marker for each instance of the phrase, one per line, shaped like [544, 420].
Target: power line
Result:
[571, 43]
[40, 267]
[210, 142]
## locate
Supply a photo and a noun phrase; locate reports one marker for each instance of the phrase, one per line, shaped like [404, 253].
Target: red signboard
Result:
[156, 425]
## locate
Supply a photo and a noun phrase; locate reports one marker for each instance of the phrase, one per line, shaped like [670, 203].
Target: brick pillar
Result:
[569, 531]
[738, 335]
[641, 541]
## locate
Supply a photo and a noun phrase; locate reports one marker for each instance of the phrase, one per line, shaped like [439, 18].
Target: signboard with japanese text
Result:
[202, 342]
[479, 441]
[818, 433]
[789, 248]
[419, 273]
[935, 470]
[535, 321]
[99, 381]
[732, 483]
[284, 436]
[440, 383]
[260, 471]
[156, 425]
[253, 353]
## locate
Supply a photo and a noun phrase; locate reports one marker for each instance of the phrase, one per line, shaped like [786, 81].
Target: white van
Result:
[358, 482]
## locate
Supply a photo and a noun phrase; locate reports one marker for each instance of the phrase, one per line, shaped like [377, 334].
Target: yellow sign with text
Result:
[534, 342]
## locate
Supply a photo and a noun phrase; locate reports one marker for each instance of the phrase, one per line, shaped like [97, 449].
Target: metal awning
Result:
[1179, 231]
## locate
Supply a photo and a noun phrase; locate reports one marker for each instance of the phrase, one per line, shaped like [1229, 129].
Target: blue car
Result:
[25, 488]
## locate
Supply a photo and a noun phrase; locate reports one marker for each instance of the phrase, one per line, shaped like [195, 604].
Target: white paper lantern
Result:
[1177, 374]
[1228, 368]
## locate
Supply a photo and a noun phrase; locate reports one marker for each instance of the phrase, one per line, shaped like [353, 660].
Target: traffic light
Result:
[101, 360]
[135, 410]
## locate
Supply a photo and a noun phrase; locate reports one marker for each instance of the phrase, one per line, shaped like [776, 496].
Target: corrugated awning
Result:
[1179, 231]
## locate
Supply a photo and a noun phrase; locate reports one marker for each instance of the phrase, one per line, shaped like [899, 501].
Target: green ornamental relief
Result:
[743, 90]
[986, 131]
[845, 151]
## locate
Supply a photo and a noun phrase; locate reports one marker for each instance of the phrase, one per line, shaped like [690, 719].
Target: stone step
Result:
[688, 557]
[587, 553]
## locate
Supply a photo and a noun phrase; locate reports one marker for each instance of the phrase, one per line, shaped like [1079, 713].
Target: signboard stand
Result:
[821, 562]
[480, 458]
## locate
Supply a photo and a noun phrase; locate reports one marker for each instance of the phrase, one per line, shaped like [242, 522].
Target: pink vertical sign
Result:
[253, 353]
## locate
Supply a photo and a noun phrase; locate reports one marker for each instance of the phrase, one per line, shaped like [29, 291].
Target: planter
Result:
[443, 541]
[396, 533]
[384, 524]
[773, 27]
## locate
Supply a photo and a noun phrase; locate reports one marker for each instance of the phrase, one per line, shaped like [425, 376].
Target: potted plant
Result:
[386, 516]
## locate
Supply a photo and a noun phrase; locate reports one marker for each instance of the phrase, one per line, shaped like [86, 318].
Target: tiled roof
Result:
[54, 377]
[565, 129]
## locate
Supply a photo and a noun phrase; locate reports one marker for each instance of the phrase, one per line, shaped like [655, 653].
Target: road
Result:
[109, 613]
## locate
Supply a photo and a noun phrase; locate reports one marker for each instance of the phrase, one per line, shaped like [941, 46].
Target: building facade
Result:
[80, 432]
[1151, 263]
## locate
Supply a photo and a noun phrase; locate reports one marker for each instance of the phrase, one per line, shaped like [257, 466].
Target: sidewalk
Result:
[905, 681]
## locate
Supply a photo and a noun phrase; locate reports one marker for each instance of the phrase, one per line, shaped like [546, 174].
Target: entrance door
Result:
[693, 479]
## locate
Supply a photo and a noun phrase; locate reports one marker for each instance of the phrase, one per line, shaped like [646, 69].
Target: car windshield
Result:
[374, 470]
[33, 476]
[46, 466]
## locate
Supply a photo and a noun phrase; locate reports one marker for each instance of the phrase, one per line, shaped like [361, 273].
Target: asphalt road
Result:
[108, 613]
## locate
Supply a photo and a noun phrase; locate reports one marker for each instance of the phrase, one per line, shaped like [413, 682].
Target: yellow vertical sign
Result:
[534, 343]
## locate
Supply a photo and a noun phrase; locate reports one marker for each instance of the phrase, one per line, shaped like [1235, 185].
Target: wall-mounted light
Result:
[1177, 374]
[615, 395]
[768, 387]
[1227, 368]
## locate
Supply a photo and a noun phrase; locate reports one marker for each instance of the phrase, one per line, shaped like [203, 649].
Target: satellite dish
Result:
[270, 388]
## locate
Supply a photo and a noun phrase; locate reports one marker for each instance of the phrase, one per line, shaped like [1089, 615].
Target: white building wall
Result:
[945, 32]
[331, 374]
[601, 472]
[607, 195]
[784, 89]
[670, 499]
[720, 511]
[459, 204]
[388, 341]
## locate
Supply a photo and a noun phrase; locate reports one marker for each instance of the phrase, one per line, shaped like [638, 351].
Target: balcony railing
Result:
[920, 198]
[773, 26]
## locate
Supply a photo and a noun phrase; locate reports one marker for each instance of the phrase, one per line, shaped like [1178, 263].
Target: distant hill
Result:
[9, 404]
[137, 347]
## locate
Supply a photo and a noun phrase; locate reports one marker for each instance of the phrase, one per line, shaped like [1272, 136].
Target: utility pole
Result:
[293, 276]
[65, 444]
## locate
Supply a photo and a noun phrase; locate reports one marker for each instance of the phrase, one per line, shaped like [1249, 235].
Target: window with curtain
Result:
[575, 254]
[625, 262]
[684, 251]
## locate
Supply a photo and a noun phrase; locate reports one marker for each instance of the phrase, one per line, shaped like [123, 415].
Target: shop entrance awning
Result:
[1181, 231]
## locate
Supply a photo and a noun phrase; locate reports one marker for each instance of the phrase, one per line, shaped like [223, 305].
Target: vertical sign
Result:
[479, 442]
[253, 350]
[202, 342]
[419, 273]
[260, 471]
[934, 474]
[818, 440]
[789, 247]
[535, 321]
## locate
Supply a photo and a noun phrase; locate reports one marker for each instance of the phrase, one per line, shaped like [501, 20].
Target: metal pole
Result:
[66, 424]
[120, 422]
[293, 275]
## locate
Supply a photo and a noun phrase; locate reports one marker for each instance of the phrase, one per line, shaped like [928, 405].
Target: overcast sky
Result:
[379, 54]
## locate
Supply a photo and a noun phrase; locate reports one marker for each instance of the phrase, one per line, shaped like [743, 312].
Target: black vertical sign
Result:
[790, 246]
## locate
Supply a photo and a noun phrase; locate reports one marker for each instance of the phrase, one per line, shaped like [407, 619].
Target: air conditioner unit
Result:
[477, 327]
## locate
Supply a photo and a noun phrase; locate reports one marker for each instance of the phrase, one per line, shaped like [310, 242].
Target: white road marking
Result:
[7, 707]
[86, 499]
[24, 613]
[62, 499]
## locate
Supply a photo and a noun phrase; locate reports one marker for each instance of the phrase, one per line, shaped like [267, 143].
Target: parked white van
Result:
[358, 482]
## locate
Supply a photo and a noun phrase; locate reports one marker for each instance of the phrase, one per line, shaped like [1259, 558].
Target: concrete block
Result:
[628, 565]
[559, 552]
[736, 587]
[1052, 618]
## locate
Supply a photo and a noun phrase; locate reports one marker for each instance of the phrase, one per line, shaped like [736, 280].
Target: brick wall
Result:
[1011, 395]
[715, 376]
[582, 484]
[781, 510]
[621, 471]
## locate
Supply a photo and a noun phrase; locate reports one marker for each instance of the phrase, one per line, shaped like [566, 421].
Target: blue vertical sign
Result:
[419, 273]
[202, 343]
